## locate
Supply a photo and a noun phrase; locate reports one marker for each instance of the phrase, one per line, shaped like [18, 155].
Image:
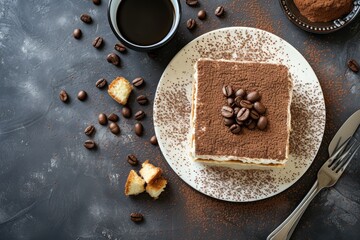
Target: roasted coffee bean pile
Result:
[243, 110]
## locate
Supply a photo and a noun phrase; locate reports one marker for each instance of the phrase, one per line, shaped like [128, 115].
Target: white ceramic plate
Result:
[172, 108]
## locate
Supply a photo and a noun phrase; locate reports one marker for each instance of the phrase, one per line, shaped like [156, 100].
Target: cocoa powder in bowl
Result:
[323, 10]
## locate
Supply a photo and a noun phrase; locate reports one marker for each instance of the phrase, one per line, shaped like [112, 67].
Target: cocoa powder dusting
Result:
[177, 105]
[272, 82]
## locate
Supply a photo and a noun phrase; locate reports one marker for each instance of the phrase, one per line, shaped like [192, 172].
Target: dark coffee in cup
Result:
[145, 22]
[144, 25]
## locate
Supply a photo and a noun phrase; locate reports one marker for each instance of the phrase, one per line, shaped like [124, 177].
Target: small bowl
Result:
[112, 12]
[293, 14]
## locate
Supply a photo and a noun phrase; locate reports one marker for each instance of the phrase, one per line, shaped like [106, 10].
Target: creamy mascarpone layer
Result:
[242, 159]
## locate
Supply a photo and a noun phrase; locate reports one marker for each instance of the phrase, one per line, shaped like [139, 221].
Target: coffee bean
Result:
[235, 128]
[252, 125]
[190, 24]
[142, 100]
[227, 112]
[139, 115]
[89, 144]
[248, 122]
[132, 159]
[63, 96]
[219, 11]
[246, 104]
[201, 14]
[138, 129]
[98, 41]
[120, 48]
[192, 3]
[262, 123]
[353, 65]
[86, 18]
[82, 95]
[102, 119]
[227, 91]
[138, 82]
[101, 83]
[240, 93]
[237, 101]
[253, 96]
[259, 107]
[89, 130]
[114, 128]
[228, 121]
[254, 114]
[243, 114]
[77, 33]
[136, 217]
[113, 117]
[231, 102]
[239, 122]
[236, 110]
[113, 59]
[153, 140]
[126, 112]
[97, 2]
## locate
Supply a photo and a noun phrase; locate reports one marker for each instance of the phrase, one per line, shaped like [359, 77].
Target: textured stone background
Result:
[51, 187]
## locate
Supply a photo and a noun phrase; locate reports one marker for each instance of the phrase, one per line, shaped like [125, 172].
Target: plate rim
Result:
[157, 131]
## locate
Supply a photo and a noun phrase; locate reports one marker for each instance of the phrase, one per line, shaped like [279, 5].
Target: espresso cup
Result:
[144, 25]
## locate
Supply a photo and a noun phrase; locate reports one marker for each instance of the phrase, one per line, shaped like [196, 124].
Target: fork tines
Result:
[341, 158]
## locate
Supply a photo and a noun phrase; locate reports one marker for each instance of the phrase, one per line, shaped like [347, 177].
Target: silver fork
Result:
[327, 176]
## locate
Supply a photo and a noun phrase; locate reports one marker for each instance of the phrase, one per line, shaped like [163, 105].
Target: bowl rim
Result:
[332, 26]
[159, 44]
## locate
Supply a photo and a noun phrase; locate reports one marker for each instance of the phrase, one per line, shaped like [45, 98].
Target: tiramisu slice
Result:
[249, 143]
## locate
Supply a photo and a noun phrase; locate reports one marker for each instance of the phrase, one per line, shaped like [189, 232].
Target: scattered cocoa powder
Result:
[259, 15]
[331, 78]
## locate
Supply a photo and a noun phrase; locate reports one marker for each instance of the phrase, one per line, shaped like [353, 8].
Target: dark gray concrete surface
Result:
[51, 187]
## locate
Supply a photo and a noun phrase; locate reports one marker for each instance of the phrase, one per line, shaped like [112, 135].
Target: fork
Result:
[327, 176]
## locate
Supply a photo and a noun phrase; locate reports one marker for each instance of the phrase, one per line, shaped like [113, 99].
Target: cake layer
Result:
[212, 140]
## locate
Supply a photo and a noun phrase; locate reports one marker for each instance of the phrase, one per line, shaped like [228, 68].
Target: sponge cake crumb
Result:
[120, 90]
[156, 188]
[134, 184]
[149, 172]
